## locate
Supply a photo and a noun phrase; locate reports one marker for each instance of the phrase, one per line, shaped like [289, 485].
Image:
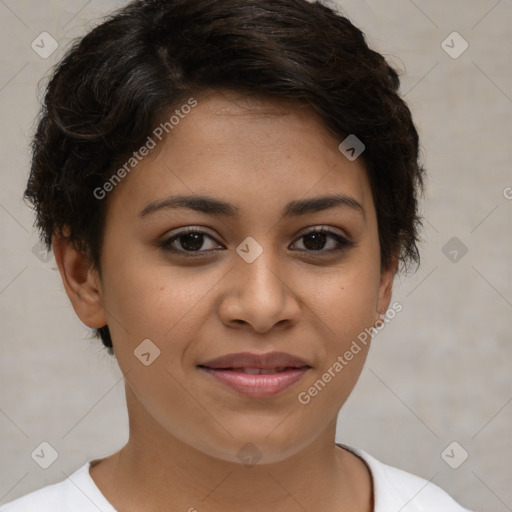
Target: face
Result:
[251, 276]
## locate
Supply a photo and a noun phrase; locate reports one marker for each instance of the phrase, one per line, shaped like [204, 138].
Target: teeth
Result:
[251, 371]
[264, 371]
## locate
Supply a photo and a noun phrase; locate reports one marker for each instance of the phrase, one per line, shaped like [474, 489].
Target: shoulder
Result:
[77, 493]
[395, 489]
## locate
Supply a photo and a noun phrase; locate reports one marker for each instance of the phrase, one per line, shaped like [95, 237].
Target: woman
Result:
[229, 188]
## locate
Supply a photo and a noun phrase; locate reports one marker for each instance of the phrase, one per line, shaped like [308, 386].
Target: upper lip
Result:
[251, 360]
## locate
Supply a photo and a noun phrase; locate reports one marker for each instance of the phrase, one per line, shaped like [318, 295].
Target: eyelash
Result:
[343, 243]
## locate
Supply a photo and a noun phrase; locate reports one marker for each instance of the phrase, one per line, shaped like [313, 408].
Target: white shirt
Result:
[394, 490]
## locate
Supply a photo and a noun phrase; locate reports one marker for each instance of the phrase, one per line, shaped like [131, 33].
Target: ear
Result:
[386, 287]
[81, 281]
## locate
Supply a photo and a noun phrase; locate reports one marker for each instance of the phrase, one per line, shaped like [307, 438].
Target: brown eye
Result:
[316, 240]
[188, 241]
[191, 242]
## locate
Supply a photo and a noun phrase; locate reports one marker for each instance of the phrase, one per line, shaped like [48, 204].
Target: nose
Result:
[260, 295]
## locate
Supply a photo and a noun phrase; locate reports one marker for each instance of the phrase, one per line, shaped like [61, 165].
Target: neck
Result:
[156, 471]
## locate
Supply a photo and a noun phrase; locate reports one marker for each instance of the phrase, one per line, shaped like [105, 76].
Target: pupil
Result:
[318, 241]
[196, 239]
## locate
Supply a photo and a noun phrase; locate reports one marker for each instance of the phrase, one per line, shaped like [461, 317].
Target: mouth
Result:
[256, 375]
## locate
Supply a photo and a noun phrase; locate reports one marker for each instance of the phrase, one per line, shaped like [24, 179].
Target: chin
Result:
[256, 448]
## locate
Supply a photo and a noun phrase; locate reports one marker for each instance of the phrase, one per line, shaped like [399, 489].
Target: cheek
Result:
[149, 300]
[346, 307]
[157, 302]
[348, 301]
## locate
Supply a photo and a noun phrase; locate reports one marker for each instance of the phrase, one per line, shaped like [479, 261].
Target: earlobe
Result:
[81, 282]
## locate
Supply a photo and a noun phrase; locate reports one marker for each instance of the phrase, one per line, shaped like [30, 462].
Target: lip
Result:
[266, 360]
[257, 386]
[229, 371]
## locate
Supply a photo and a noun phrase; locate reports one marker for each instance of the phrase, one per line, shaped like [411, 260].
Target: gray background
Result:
[439, 372]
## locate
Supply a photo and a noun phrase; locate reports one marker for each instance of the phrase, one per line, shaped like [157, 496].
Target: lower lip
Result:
[259, 385]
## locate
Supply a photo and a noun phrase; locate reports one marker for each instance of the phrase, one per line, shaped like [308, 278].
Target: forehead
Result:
[253, 150]
[225, 102]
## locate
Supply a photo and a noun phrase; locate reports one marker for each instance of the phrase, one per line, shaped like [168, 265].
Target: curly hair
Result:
[106, 94]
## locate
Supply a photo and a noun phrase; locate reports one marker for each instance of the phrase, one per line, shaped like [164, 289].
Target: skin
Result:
[186, 429]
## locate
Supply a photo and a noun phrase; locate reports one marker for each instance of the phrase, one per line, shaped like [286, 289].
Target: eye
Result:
[316, 239]
[189, 240]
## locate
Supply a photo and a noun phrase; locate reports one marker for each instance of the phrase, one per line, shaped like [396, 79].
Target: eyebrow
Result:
[215, 207]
